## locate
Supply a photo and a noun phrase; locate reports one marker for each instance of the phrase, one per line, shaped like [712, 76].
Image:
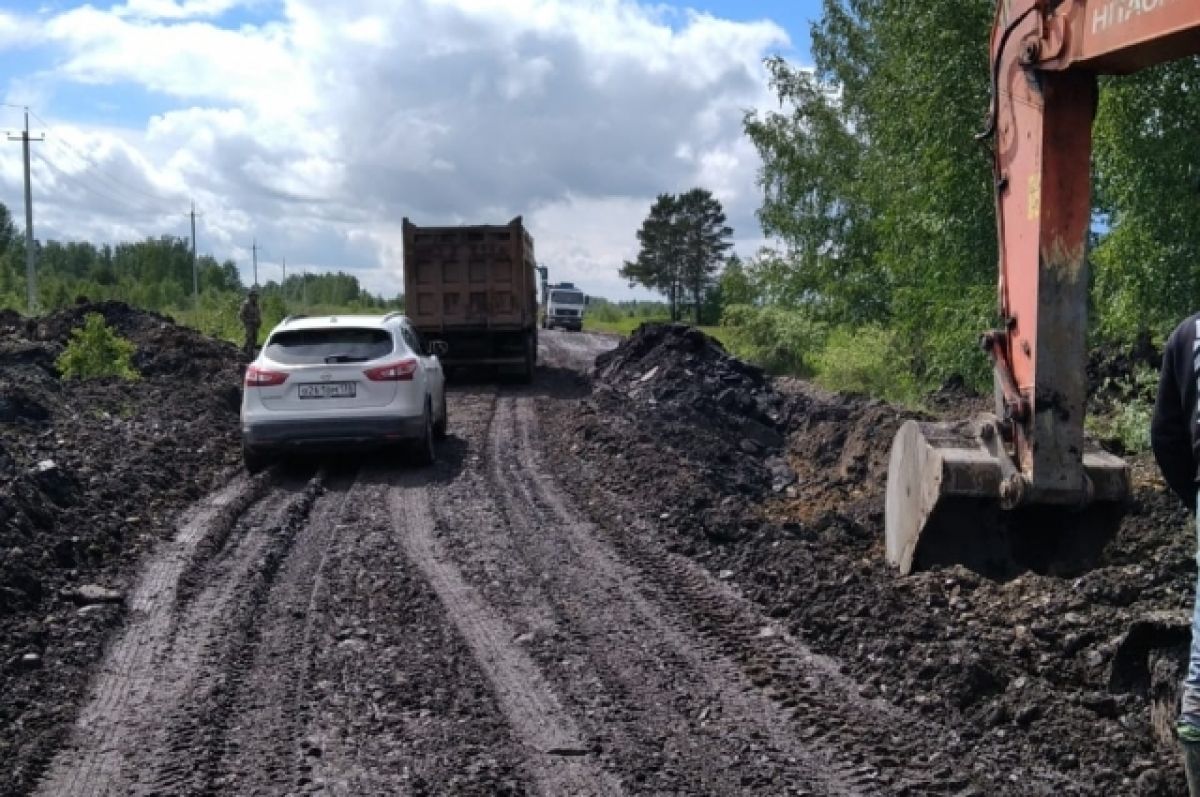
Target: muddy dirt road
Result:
[655, 574]
[373, 628]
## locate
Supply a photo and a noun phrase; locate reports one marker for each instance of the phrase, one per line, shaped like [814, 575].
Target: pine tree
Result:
[683, 244]
[705, 237]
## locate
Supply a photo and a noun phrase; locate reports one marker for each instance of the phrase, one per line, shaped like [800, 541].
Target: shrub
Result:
[96, 350]
[780, 340]
[866, 359]
[1125, 421]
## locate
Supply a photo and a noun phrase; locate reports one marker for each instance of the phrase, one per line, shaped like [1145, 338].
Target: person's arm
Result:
[1170, 432]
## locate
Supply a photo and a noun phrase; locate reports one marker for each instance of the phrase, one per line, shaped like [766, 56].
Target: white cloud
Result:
[17, 31]
[319, 130]
[585, 240]
[256, 67]
[169, 9]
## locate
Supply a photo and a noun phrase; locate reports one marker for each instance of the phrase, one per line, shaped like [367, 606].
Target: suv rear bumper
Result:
[331, 433]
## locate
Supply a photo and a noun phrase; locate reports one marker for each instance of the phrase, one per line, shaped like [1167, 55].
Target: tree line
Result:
[156, 274]
[882, 199]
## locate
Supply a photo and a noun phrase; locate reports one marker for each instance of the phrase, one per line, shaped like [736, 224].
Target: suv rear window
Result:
[341, 344]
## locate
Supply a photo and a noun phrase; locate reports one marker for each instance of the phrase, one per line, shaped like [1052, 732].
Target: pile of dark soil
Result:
[1076, 675]
[91, 474]
[659, 388]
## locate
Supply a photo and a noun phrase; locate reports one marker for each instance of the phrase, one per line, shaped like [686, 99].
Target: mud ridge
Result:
[557, 757]
[152, 705]
[260, 747]
[216, 534]
[197, 731]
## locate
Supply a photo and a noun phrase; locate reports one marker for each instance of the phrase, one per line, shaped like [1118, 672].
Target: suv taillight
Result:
[260, 377]
[394, 372]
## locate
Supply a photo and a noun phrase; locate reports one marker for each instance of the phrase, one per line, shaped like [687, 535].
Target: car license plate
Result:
[326, 390]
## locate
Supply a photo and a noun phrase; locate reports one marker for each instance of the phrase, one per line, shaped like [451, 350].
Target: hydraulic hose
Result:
[993, 116]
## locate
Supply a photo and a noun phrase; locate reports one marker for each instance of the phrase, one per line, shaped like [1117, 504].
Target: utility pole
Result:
[283, 285]
[304, 289]
[254, 252]
[195, 271]
[30, 269]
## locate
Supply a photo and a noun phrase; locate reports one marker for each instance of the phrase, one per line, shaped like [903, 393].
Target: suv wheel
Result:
[255, 461]
[424, 449]
[439, 427]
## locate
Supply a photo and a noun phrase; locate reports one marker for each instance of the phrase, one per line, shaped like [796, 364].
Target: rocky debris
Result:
[94, 593]
[1078, 673]
[163, 348]
[92, 473]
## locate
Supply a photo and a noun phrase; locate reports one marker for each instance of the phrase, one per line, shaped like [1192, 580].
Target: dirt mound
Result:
[674, 389]
[91, 474]
[163, 348]
[1072, 674]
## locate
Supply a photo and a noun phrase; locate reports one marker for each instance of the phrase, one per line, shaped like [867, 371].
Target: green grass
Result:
[626, 325]
[623, 326]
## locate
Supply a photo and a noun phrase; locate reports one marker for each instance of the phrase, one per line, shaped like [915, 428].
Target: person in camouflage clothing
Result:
[251, 318]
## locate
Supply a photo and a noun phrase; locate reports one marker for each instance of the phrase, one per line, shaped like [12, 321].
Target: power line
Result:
[63, 142]
[94, 188]
[79, 181]
[109, 189]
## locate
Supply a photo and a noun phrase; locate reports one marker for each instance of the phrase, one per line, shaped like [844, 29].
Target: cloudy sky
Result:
[315, 126]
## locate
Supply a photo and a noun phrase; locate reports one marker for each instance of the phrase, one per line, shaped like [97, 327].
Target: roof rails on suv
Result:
[292, 318]
[394, 314]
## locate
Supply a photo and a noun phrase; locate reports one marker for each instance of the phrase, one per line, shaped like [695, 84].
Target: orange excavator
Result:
[1021, 484]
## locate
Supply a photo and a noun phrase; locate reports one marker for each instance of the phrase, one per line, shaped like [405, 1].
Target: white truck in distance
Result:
[564, 307]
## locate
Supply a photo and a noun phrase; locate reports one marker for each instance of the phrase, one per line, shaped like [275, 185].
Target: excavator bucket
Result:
[948, 488]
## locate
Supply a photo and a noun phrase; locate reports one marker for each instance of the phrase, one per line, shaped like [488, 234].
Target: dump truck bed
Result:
[473, 288]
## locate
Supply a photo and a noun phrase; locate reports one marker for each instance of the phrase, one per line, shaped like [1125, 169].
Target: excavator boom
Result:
[1046, 56]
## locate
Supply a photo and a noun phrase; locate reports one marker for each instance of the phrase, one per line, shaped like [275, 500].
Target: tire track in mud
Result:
[148, 712]
[657, 705]
[556, 758]
[261, 750]
[727, 734]
[874, 745]
[357, 682]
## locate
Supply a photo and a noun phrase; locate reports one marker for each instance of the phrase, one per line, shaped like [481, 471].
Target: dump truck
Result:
[563, 305]
[471, 291]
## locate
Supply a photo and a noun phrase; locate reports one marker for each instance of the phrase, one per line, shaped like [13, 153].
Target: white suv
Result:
[342, 381]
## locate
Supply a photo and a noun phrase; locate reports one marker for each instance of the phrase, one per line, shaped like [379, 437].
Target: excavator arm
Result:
[1045, 56]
